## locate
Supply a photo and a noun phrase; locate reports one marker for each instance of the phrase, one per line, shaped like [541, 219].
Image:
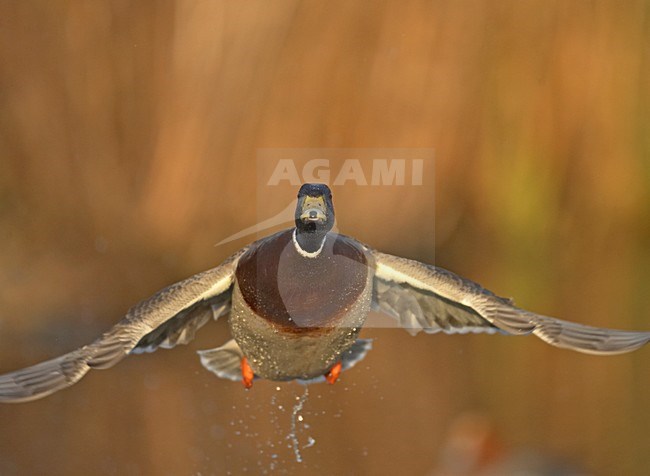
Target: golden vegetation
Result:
[129, 141]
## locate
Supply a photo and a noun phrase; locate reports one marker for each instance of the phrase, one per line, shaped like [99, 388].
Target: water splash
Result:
[296, 416]
[291, 418]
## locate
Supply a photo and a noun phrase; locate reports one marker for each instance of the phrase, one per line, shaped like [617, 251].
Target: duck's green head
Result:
[315, 210]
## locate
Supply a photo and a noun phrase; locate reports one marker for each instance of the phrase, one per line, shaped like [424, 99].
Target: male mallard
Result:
[297, 301]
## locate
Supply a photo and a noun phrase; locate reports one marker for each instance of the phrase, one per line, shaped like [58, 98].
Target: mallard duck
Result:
[297, 301]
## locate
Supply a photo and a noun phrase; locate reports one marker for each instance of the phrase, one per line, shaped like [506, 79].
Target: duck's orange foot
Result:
[246, 373]
[333, 375]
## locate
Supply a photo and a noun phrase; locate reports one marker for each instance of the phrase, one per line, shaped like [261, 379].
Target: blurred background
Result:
[129, 141]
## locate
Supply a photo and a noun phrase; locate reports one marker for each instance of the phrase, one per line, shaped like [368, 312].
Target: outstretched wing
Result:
[424, 297]
[169, 317]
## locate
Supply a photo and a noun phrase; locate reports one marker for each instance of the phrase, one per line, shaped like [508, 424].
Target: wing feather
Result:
[169, 317]
[423, 296]
[416, 302]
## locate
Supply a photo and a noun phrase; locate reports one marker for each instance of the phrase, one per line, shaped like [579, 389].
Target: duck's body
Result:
[297, 301]
[289, 315]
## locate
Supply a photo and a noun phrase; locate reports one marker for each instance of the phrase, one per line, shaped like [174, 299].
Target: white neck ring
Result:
[304, 253]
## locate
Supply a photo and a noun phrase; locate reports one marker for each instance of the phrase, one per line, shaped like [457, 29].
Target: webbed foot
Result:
[333, 375]
[246, 373]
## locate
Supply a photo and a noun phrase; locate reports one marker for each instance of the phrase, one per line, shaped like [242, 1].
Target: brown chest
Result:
[296, 292]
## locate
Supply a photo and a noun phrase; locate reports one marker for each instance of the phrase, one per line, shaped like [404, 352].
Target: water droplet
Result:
[310, 442]
[297, 408]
